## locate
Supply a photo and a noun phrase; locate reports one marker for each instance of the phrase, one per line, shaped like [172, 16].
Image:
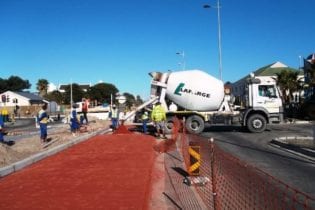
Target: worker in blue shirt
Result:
[74, 122]
[43, 120]
[1, 130]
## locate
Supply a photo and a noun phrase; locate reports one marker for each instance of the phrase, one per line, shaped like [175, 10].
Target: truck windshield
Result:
[267, 91]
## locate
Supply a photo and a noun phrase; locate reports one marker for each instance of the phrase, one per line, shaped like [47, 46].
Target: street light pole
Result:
[218, 7]
[183, 56]
[300, 62]
[71, 96]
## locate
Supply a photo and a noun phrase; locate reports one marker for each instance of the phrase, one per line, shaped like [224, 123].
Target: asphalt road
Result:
[255, 149]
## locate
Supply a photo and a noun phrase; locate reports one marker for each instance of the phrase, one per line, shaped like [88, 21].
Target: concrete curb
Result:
[4, 171]
[281, 143]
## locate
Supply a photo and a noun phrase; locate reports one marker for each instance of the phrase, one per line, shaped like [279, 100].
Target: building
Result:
[309, 72]
[12, 98]
[266, 74]
[27, 103]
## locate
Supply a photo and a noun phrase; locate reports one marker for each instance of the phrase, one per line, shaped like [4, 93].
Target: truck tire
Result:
[169, 124]
[256, 123]
[195, 124]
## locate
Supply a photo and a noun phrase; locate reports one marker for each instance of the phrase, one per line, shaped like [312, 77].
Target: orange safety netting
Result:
[234, 184]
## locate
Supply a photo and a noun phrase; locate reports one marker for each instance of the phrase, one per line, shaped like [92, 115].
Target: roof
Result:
[273, 69]
[32, 97]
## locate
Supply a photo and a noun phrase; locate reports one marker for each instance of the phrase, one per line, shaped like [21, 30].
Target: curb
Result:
[296, 150]
[4, 171]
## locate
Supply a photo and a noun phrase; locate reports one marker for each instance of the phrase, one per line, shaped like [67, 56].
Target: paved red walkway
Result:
[104, 172]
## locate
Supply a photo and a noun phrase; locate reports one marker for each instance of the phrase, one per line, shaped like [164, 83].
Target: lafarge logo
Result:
[180, 89]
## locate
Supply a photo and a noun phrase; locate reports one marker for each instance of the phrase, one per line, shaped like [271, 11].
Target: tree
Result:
[130, 100]
[102, 92]
[14, 83]
[139, 100]
[55, 96]
[77, 93]
[288, 83]
[3, 85]
[42, 87]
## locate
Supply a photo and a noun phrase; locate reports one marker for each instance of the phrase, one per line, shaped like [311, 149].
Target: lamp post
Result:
[218, 7]
[300, 62]
[71, 94]
[183, 57]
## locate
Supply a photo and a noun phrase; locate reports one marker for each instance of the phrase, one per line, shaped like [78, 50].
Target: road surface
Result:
[255, 149]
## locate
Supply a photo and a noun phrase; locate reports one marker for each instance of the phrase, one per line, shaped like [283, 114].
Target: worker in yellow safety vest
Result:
[5, 114]
[114, 117]
[158, 117]
[144, 119]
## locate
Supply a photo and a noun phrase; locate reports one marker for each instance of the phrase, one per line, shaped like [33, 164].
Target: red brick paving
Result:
[104, 172]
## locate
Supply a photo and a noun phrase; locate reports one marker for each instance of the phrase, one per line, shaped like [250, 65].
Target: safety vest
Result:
[42, 117]
[114, 113]
[158, 114]
[4, 111]
[144, 116]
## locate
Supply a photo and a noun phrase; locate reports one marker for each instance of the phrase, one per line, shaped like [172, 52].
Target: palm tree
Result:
[42, 87]
[288, 83]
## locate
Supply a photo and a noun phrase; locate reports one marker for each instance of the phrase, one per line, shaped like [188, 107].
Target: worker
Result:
[5, 114]
[1, 130]
[114, 117]
[42, 120]
[144, 119]
[158, 117]
[74, 123]
[85, 110]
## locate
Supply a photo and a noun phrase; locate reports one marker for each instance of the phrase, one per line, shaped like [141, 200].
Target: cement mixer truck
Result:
[199, 98]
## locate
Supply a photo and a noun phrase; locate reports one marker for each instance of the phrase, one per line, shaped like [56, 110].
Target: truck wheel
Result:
[256, 123]
[169, 124]
[195, 124]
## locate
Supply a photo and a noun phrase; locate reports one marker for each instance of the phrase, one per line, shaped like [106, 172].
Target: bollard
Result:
[195, 158]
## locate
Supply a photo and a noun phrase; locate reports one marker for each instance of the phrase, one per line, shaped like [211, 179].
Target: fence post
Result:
[213, 175]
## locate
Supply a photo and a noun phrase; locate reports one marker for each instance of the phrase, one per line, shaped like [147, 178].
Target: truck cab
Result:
[263, 104]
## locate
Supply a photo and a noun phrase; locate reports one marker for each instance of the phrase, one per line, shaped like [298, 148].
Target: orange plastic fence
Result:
[236, 185]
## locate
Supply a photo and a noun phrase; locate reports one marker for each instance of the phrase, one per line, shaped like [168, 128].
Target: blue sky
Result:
[120, 42]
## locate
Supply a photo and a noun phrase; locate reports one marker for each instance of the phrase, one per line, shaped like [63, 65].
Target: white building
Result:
[12, 98]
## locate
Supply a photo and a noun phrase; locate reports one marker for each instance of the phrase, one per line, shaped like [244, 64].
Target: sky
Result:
[120, 42]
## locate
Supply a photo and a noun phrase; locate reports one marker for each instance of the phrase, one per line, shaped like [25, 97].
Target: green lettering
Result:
[179, 89]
